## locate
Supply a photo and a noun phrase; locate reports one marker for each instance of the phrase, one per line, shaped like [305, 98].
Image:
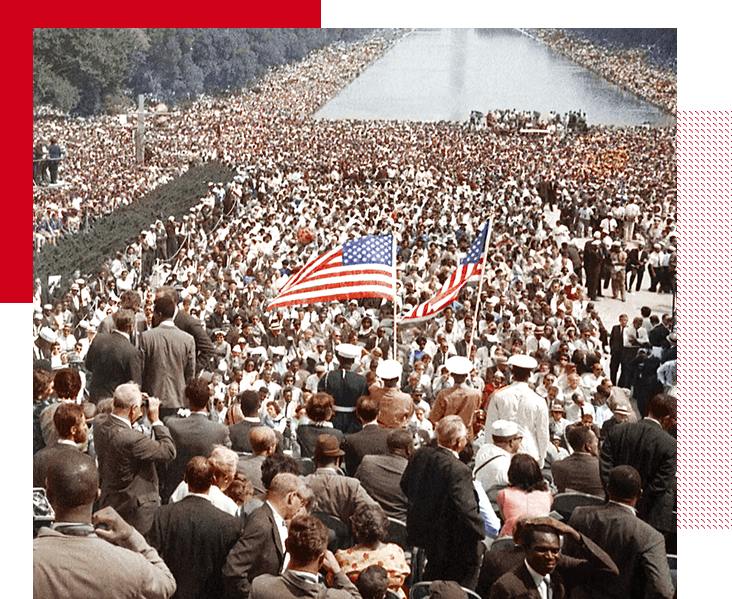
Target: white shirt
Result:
[543, 583]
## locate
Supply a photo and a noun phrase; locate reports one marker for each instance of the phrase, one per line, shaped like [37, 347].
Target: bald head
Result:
[126, 396]
[72, 481]
[263, 440]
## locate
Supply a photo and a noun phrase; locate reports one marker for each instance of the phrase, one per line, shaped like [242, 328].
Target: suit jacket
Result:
[194, 435]
[593, 565]
[395, 407]
[251, 467]
[106, 326]
[335, 494]
[113, 360]
[578, 472]
[345, 387]
[637, 549]
[652, 452]
[460, 400]
[43, 458]
[370, 440]
[307, 435]
[194, 538]
[168, 364]
[380, 475]
[259, 550]
[239, 434]
[616, 339]
[442, 513]
[291, 586]
[204, 346]
[128, 479]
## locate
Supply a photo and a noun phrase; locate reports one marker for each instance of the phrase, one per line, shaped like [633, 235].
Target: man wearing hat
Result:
[395, 406]
[459, 399]
[518, 403]
[493, 459]
[346, 387]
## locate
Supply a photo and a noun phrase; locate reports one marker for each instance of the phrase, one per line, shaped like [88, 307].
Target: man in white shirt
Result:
[493, 459]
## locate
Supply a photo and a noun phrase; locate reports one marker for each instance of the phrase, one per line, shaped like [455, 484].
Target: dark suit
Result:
[194, 435]
[380, 475]
[593, 565]
[636, 548]
[307, 435]
[107, 326]
[239, 434]
[193, 537]
[370, 440]
[204, 346]
[291, 586]
[259, 550]
[652, 452]
[616, 351]
[658, 336]
[128, 479]
[43, 458]
[443, 515]
[578, 472]
[113, 360]
[168, 363]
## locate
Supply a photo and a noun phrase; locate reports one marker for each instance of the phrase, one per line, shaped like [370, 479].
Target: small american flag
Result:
[359, 268]
[469, 266]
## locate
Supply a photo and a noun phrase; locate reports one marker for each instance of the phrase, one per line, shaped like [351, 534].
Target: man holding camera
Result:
[127, 457]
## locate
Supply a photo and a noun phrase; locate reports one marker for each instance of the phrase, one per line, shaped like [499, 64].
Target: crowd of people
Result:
[462, 428]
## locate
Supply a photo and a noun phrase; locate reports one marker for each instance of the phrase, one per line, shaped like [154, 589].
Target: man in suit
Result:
[191, 325]
[658, 335]
[168, 357]
[307, 545]
[370, 440]
[250, 403]
[128, 458]
[333, 493]
[194, 537]
[261, 549]
[443, 515]
[193, 435]
[395, 407]
[616, 347]
[70, 424]
[579, 472]
[637, 548]
[113, 359]
[380, 474]
[128, 300]
[264, 443]
[346, 387]
[544, 572]
[72, 558]
[651, 450]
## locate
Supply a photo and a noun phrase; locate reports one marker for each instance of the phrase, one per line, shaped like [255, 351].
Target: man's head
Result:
[662, 408]
[367, 409]
[289, 495]
[163, 309]
[128, 402]
[199, 474]
[307, 542]
[263, 440]
[67, 383]
[582, 440]
[506, 435]
[70, 422]
[278, 463]
[327, 450]
[399, 442]
[624, 485]
[250, 403]
[541, 544]
[198, 393]
[452, 433]
[373, 582]
[623, 320]
[72, 483]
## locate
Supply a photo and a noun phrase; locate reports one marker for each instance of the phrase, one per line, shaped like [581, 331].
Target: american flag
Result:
[468, 267]
[359, 268]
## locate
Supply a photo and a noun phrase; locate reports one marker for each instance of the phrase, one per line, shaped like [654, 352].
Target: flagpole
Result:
[394, 301]
[480, 284]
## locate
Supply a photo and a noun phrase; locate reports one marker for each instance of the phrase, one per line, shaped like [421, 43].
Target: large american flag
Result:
[469, 266]
[359, 268]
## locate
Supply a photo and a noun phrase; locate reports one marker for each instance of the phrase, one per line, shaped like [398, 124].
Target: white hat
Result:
[621, 409]
[556, 407]
[47, 334]
[522, 361]
[389, 369]
[459, 365]
[347, 350]
[505, 428]
[278, 350]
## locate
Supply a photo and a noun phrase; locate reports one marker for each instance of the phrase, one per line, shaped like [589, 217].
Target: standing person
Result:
[74, 558]
[54, 158]
[128, 458]
[616, 347]
[593, 266]
[618, 259]
[395, 406]
[72, 431]
[459, 399]
[443, 515]
[112, 359]
[636, 548]
[494, 459]
[168, 357]
[194, 537]
[518, 403]
[651, 450]
[346, 387]
[261, 547]
[579, 472]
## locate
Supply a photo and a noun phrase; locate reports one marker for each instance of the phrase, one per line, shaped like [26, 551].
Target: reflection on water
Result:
[443, 74]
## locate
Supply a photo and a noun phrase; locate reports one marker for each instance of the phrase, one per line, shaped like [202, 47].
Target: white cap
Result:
[505, 428]
[459, 365]
[347, 350]
[522, 361]
[278, 350]
[389, 369]
[47, 334]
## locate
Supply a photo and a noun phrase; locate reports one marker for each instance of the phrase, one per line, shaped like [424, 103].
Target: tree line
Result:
[89, 71]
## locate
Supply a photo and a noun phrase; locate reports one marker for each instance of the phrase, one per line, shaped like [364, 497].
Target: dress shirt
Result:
[543, 583]
[282, 530]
